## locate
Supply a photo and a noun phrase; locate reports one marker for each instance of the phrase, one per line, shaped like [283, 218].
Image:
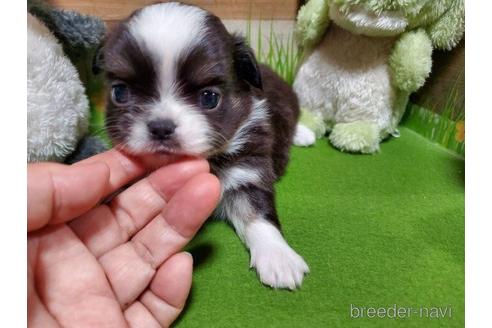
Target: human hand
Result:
[117, 264]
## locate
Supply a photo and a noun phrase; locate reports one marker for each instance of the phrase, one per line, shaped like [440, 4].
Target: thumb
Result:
[57, 193]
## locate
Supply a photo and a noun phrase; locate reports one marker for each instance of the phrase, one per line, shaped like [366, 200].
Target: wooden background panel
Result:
[448, 76]
[112, 10]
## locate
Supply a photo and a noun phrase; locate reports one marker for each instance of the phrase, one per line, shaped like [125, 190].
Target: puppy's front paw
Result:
[304, 137]
[279, 266]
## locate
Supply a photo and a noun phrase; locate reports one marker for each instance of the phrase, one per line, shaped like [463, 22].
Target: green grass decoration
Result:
[96, 123]
[94, 88]
[446, 128]
[437, 128]
[281, 55]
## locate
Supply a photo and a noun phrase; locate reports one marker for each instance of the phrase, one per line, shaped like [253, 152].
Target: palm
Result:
[118, 264]
[68, 287]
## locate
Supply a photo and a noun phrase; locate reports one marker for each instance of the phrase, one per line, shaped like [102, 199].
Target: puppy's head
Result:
[179, 82]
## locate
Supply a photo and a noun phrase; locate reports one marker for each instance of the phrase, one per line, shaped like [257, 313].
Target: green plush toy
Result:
[363, 58]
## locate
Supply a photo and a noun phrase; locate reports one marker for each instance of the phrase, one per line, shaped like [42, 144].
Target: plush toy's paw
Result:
[278, 265]
[356, 137]
[304, 137]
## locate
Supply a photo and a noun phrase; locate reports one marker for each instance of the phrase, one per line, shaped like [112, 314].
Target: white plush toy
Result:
[58, 111]
[57, 107]
[364, 58]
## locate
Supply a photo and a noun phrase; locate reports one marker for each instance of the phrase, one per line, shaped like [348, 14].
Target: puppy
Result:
[181, 84]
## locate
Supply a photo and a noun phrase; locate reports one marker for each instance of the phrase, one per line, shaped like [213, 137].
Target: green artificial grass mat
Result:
[376, 230]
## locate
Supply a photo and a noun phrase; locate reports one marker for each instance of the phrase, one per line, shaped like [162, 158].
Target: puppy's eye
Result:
[120, 94]
[209, 99]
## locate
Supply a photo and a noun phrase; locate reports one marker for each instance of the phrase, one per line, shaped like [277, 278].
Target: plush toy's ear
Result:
[98, 60]
[78, 33]
[446, 32]
[245, 64]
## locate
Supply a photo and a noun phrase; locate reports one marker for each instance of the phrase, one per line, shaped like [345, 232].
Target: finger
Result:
[164, 236]
[169, 289]
[106, 227]
[138, 316]
[56, 192]
[166, 297]
[123, 168]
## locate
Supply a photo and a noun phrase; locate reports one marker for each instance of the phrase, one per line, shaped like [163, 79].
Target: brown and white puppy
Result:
[181, 84]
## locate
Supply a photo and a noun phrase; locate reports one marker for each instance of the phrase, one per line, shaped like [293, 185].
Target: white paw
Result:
[304, 136]
[278, 265]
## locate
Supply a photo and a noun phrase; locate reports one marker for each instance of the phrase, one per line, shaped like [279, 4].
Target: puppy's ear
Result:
[98, 60]
[245, 64]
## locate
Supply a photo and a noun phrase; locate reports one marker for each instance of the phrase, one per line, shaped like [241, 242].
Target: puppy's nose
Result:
[161, 129]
